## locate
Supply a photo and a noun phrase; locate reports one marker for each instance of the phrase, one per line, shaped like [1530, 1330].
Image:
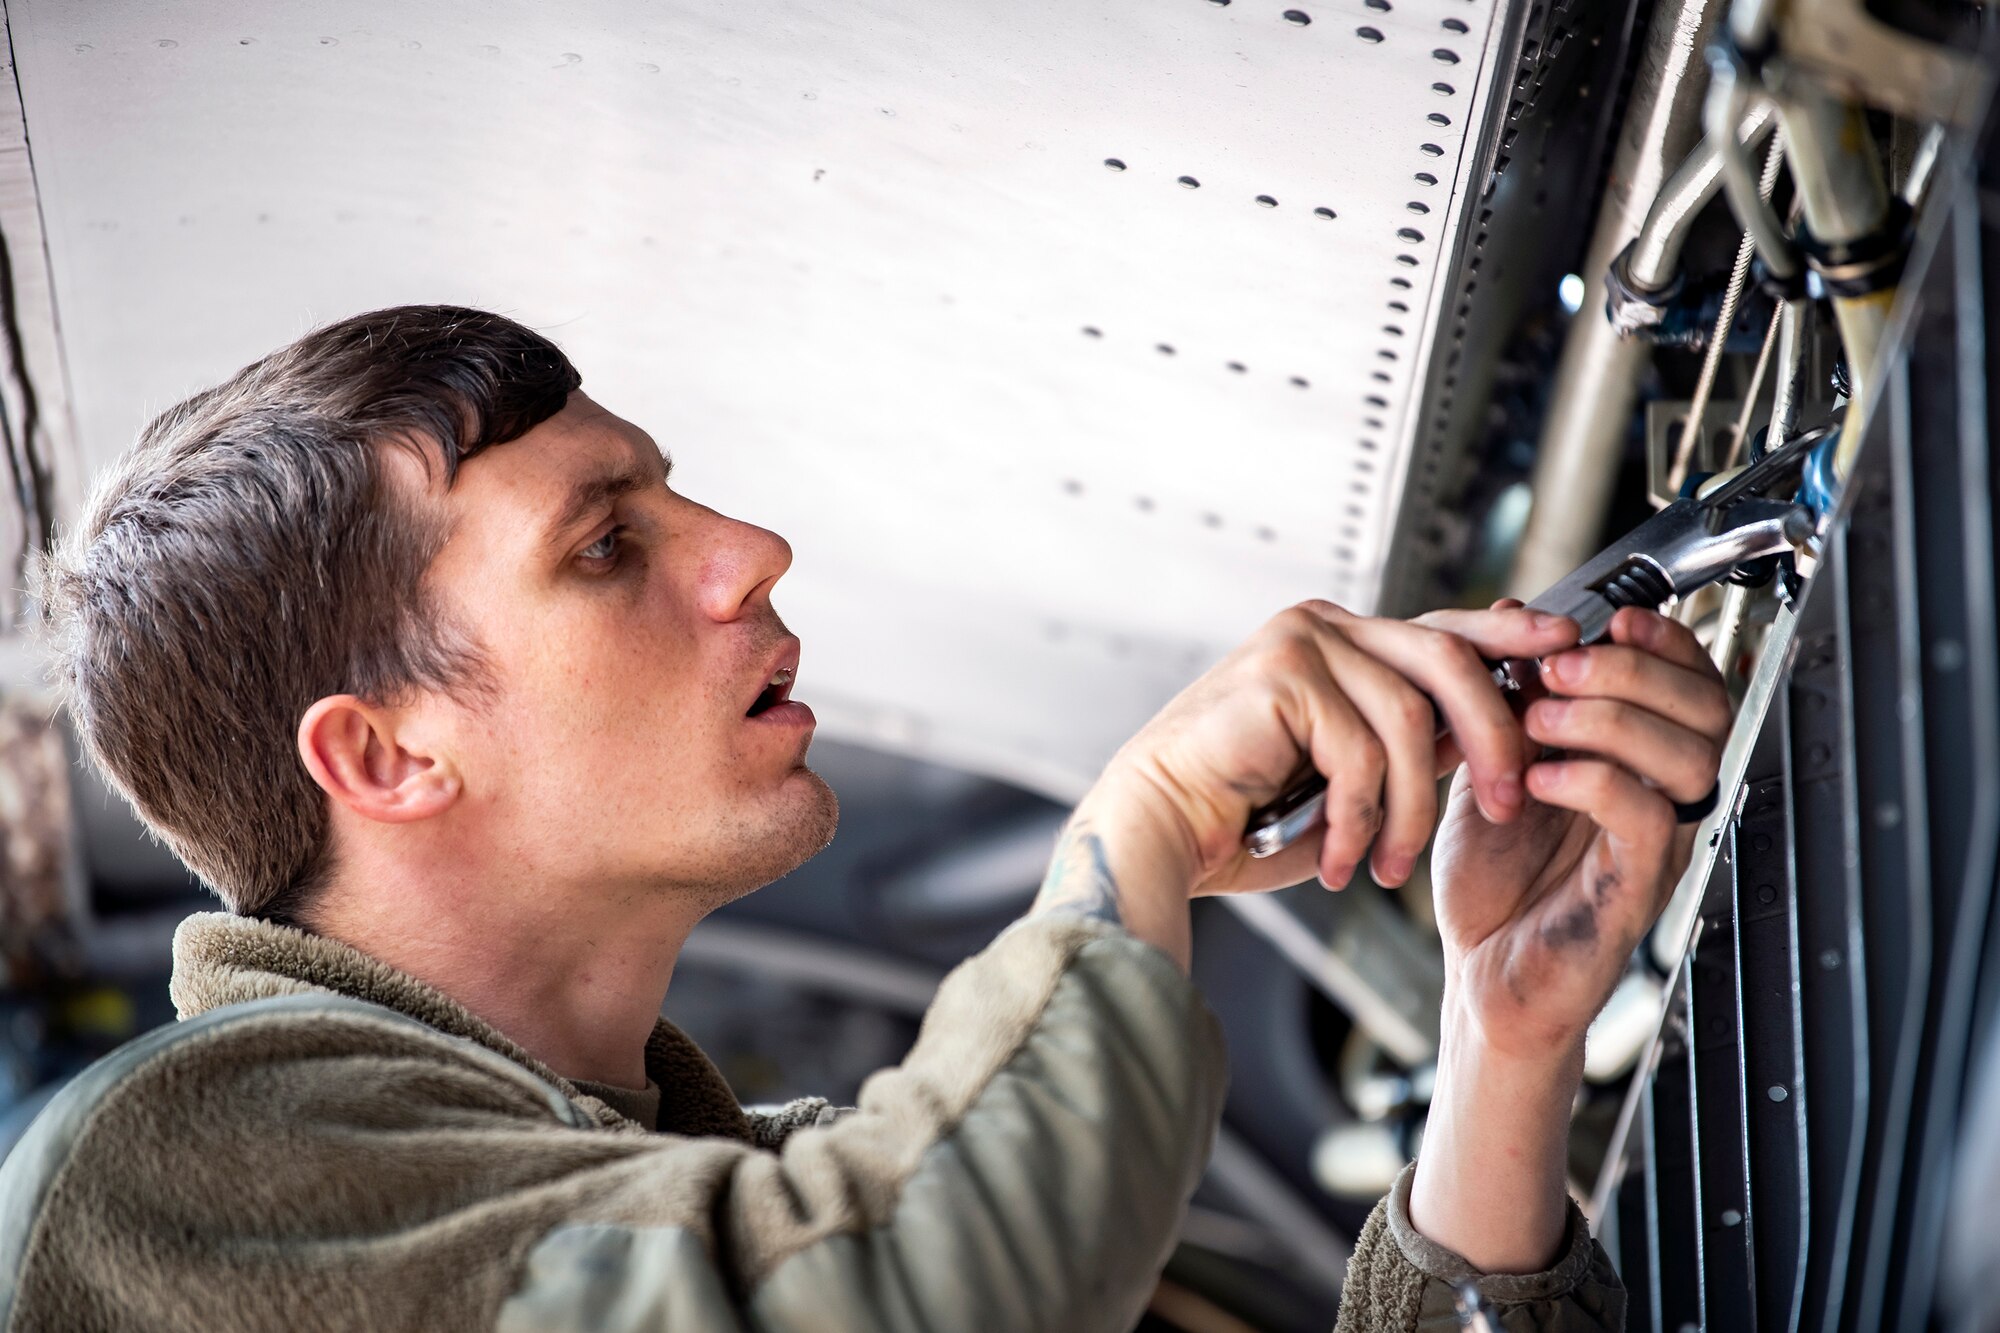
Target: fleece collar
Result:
[221, 959]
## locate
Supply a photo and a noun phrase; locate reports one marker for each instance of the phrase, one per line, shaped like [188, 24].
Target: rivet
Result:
[1298, 16]
[1731, 1218]
[1766, 894]
[1369, 445]
[1267, 201]
[1443, 89]
[168, 43]
[1438, 118]
[1404, 283]
[1381, 6]
[1417, 207]
[1407, 261]
[1300, 382]
[1410, 234]
[1392, 330]
[1092, 331]
[1385, 354]
[1376, 400]
[1380, 377]
[1445, 57]
[1776, 1093]
[1373, 423]
[1190, 182]
[1114, 164]
[1238, 367]
[1425, 178]
[1165, 349]
[1430, 150]
[1323, 213]
[1368, 34]
[648, 67]
[1830, 959]
[1454, 25]
[1762, 842]
[1219, 4]
[573, 58]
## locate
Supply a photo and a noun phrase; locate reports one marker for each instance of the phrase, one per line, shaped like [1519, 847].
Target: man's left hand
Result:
[1540, 915]
[1539, 918]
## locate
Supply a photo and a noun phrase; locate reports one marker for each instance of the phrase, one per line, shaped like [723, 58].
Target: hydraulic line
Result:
[1855, 235]
[1653, 257]
[1704, 386]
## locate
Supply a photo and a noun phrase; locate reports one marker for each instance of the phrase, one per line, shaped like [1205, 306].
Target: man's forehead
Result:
[536, 470]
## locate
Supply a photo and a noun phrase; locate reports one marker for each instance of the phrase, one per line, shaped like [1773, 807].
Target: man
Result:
[412, 652]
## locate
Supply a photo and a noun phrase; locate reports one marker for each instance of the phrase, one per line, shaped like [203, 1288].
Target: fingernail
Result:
[1508, 793]
[1396, 870]
[1549, 712]
[1549, 620]
[1340, 878]
[1567, 668]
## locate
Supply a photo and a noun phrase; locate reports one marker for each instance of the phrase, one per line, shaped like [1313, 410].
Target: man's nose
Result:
[741, 563]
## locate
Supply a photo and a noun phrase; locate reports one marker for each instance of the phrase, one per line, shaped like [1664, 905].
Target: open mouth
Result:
[779, 690]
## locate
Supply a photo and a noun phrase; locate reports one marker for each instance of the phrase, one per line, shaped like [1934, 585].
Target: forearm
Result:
[1115, 863]
[1490, 1181]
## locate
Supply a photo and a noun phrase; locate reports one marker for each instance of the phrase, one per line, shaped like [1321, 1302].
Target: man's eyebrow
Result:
[592, 493]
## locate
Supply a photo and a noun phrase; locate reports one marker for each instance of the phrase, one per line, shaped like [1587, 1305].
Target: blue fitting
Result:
[1819, 487]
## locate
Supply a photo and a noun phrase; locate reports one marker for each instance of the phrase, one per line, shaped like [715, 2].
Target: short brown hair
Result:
[247, 558]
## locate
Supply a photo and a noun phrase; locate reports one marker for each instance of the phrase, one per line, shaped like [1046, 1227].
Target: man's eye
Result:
[605, 547]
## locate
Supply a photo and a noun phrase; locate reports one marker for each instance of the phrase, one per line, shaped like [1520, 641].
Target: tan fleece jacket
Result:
[326, 1143]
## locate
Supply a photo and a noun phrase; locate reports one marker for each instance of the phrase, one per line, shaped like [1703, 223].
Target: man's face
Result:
[630, 633]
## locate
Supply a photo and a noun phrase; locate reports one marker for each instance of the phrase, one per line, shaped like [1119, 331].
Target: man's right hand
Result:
[1353, 694]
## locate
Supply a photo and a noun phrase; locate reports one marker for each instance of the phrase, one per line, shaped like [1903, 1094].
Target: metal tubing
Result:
[1656, 253]
[1597, 380]
[1711, 363]
[1844, 197]
[1748, 197]
[1793, 322]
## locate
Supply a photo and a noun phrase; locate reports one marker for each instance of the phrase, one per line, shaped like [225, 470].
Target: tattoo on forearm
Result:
[1079, 878]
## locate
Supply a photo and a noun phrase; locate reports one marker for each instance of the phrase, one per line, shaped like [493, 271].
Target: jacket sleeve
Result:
[1029, 1162]
[1400, 1281]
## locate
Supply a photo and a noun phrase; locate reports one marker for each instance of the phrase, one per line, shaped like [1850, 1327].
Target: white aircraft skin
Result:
[863, 269]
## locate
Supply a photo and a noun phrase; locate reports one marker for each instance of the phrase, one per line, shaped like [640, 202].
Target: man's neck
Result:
[580, 994]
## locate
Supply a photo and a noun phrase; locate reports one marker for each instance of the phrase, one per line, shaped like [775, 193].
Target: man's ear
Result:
[354, 751]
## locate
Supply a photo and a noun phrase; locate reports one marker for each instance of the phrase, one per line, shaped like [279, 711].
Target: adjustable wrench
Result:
[1691, 543]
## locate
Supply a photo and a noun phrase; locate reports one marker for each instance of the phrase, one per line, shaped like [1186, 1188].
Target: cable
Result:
[1704, 387]
[1741, 430]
